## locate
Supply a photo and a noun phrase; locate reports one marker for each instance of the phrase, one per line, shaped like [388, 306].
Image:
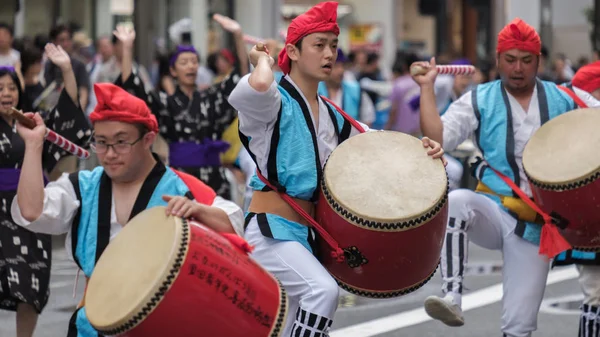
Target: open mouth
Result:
[327, 67]
[6, 104]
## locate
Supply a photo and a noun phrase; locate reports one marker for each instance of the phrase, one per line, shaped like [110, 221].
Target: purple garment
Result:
[192, 154]
[9, 179]
[407, 117]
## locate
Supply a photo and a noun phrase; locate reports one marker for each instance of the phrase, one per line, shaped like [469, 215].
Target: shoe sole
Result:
[440, 310]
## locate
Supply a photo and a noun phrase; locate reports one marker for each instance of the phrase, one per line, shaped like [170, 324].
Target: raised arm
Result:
[126, 35]
[262, 76]
[234, 28]
[431, 122]
[61, 59]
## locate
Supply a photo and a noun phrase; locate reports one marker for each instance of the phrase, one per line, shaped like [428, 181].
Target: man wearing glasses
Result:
[92, 206]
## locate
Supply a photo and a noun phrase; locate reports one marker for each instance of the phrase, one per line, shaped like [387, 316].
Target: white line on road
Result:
[471, 301]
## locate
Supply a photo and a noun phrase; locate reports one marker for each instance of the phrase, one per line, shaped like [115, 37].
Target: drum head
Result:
[132, 268]
[385, 176]
[564, 150]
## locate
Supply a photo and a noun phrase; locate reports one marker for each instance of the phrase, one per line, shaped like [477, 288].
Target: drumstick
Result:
[444, 70]
[252, 39]
[52, 136]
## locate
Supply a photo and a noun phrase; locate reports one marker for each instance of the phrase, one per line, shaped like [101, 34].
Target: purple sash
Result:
[9, 179]
[192, 154]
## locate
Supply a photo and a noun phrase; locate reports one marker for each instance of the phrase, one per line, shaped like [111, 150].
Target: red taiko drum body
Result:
[384, 200]
[172, 277]
[562, 163]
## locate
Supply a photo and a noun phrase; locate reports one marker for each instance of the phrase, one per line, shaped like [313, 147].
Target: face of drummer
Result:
[185, 69]
[121, 148]
[518, 70]
[314, 56]
[9, 92]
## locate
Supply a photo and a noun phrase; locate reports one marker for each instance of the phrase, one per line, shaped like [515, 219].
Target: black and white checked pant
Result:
[475, 217]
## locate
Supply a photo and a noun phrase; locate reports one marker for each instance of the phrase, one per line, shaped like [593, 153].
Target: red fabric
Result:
[228, 55]
[573, 96]
[588, 77]
[552, 242]
[519, 35]
[238, 242]
[201, 192]
[116, 104]
[321, 18]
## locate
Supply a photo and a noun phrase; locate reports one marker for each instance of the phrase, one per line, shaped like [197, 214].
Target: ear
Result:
[292, 52]
[149, 139]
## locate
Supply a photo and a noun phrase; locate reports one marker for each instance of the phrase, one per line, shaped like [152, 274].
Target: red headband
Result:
[319, 19]
[519, 35]
[588, 77]
[116, 104]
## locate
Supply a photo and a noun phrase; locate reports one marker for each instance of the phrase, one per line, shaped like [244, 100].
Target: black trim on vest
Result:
[285, 84]
[569, 260]
[72, 328]
[104, 213]
[272, 174]
[248, 218]
[263, 225]
[74, 178]
[510, 140]
[346, 129]
[475, 105]
[569, 85]
[542, 102]
[335, 124]
[148, 187]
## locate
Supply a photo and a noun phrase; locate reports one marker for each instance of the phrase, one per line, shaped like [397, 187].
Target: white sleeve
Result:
[459, 122]
[367, 109]
[60, 206]
[255, 106]
[234, 212]
[587, 98]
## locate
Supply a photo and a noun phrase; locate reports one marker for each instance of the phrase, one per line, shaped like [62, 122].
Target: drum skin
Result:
[216, 290]
[579, 203]
[398, 261]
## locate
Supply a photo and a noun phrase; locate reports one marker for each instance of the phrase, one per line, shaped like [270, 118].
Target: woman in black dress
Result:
[25, 256]
[192, 121]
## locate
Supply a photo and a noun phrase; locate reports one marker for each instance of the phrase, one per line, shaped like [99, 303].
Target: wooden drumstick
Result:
[51, 136]
[445, 70]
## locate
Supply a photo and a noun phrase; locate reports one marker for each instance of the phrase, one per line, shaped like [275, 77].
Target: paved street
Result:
[358, 317]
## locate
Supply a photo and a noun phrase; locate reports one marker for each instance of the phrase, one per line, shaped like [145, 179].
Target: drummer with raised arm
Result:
[93, 206]
[290, 131]
[502, 115]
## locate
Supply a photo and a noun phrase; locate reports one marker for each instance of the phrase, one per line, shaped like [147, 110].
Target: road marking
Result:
[550, 306]
[61, 284]
[470, 301]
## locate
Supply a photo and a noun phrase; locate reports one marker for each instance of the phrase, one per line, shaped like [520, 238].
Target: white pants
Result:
[455, 172]
[589, 279]
[312, 292]
[478, 218]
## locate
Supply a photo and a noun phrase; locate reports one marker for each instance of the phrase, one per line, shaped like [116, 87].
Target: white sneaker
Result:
[444, 310]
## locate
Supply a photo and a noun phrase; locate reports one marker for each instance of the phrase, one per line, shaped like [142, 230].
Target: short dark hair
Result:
[57, 30]
[143, 129]
[30, 56]
[299, 44]
[4, 25]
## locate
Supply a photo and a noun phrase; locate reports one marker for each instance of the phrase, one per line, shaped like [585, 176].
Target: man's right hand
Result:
[424, 73]
[255, 55]
[125, 34]
[35, 136]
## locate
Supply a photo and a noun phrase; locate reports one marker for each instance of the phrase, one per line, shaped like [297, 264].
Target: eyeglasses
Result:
[120, 147]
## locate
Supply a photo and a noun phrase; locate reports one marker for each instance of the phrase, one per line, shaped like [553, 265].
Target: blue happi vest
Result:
[351, 97]
[293, 164]
[495, 138]
[90, 231]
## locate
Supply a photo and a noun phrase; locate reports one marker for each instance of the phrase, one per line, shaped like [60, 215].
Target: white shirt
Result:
[10, 59]
[367, 109]
[258, 114]
[61, 204]
[460, 122]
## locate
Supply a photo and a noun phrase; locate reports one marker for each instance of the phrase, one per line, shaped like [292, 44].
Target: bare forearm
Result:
[431, 122]
[262, 76]
[214, 218]
[126, 62]
[242, 53]
[30, 192]
[70, 84]
[83, 97]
